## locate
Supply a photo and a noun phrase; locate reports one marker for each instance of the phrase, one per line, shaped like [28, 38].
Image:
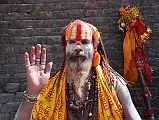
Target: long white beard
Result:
[78, 73]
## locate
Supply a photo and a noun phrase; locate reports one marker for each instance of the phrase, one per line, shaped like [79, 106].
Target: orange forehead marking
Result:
[79, 30]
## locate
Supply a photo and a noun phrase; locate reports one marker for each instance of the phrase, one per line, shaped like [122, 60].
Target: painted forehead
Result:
[79, 30]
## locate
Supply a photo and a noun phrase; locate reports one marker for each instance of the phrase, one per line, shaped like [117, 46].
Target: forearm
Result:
[24, 111]
[128, 106]
[126, 101]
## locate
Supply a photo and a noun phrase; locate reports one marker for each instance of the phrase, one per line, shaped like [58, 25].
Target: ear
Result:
[96, 59]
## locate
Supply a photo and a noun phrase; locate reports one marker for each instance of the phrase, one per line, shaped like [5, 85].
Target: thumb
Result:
[48, 68]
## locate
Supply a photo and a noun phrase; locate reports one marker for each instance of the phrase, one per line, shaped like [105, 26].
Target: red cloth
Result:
[140, 26]
[141, 61]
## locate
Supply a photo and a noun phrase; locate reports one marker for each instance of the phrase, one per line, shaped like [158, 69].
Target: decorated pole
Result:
[147, 95]
[136, 66]
[144, 70]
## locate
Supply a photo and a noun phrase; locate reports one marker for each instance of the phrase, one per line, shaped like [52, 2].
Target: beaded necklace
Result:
[86, 110]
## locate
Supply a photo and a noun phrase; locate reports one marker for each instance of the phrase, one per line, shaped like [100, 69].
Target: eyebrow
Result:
[81, 39]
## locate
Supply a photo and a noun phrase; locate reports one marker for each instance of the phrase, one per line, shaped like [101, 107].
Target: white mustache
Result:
[77, 55]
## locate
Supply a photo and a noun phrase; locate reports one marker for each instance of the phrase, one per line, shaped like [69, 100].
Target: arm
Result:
[123, 94]
[24, 111]
[37, 76]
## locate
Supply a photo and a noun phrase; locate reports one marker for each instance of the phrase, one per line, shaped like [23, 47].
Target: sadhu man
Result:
[85, 88]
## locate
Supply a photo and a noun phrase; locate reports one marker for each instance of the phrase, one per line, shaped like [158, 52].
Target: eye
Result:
[85, 41]
[72, 41]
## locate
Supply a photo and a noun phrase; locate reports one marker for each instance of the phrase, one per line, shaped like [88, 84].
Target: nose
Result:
[78, 48]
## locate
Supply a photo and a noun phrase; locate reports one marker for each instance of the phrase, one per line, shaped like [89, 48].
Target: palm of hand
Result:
[37, 74]
[36, 78]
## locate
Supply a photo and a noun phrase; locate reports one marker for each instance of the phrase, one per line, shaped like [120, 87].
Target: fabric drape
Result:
[52, 102]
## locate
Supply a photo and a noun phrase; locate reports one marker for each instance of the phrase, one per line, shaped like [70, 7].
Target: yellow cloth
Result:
[109, 107]
[52, 102]
[129, 45]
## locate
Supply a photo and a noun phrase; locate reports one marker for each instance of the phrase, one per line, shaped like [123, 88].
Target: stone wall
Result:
[24, 23]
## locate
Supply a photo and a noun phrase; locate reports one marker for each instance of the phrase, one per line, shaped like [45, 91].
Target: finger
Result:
[32, 55]
[48, 68]
[38, 52]
[43, 58]
[26, 59]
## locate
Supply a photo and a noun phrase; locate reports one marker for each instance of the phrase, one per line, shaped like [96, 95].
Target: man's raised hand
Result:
[37, 71]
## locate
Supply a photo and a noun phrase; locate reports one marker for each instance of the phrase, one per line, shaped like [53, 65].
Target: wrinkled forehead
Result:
[78, 30]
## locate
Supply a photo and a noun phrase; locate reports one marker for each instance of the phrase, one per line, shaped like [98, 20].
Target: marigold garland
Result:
[129, 15]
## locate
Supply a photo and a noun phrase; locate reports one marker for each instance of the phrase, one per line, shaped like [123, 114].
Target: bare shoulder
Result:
[117, 80]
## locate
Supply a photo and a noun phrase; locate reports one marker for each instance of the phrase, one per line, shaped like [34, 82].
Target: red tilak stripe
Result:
[78, 33]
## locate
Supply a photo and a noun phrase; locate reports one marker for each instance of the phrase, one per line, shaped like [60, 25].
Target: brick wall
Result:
[24, 23]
